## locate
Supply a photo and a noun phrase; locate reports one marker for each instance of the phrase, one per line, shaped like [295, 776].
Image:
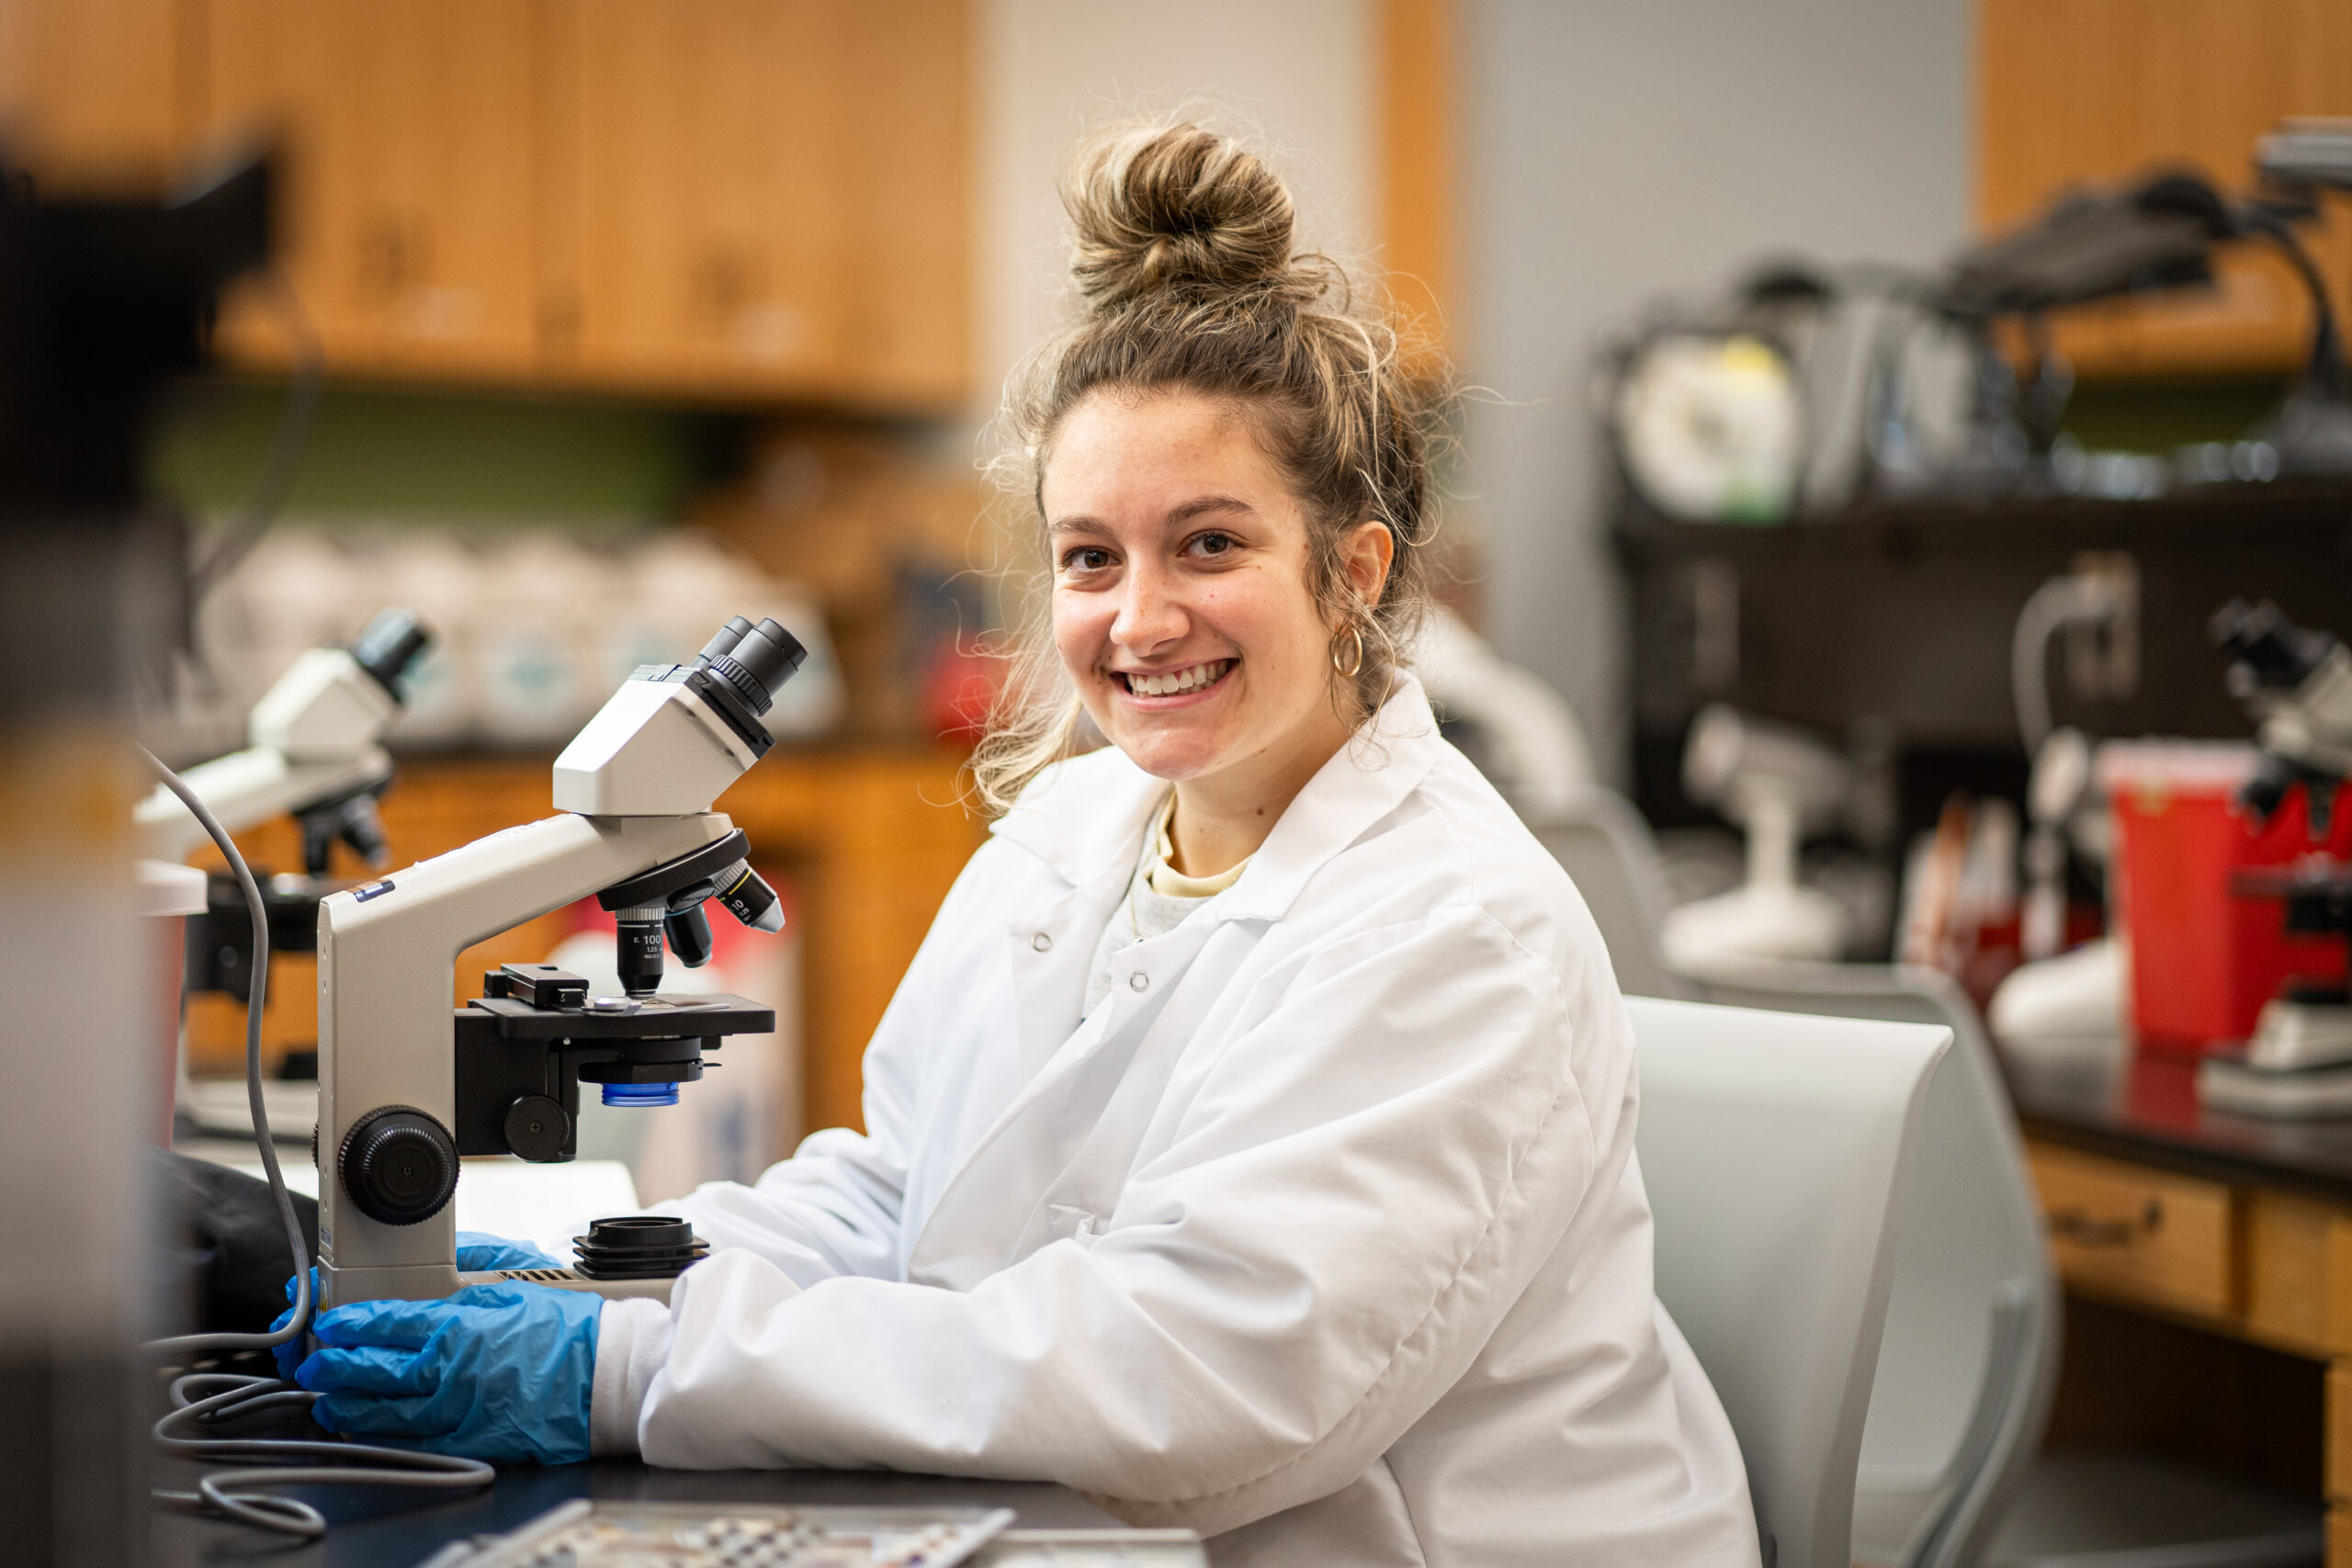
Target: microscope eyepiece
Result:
[389, 646]
[762, 660]
[733, 632]
[2273, 650]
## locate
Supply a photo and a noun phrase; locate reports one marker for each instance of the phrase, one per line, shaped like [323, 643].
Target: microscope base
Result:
[572, 1280]
[407, 1281]
[338, 1287]
[2295, 1035]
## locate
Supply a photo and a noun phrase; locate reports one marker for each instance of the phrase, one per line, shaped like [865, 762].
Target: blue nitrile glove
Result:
[478, 1252]
[499, 1373]
[289, 1355]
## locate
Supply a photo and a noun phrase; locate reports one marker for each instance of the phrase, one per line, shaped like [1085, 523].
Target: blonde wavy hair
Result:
[1182, 256]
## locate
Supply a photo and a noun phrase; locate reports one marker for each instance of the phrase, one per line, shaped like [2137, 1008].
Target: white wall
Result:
[1299, 73]
[1619, 148]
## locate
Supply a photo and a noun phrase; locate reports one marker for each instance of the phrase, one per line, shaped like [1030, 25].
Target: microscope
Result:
[1778, 783]
[406, 1086]
[2295, 682]
[314, 750]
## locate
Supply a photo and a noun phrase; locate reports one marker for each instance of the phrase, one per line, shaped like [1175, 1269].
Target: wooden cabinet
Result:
[2126, 1230]
[907, 203]
[696, 148]
[92, 91]
[754, 201]
[409, 209]
[2072, 92]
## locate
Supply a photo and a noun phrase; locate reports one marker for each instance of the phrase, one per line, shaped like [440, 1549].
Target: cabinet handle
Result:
[395, 254]
[2074, 1225]
[383, 256]
[722, 283]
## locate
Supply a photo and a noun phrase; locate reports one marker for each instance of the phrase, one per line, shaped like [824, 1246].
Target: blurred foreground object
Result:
[100, 302]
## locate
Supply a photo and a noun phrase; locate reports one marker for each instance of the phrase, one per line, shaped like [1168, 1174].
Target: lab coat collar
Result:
[1086, 817]
[1385, 760]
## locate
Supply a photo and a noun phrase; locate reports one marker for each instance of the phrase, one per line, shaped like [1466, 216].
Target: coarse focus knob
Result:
[399, 1165]
[536, 1127]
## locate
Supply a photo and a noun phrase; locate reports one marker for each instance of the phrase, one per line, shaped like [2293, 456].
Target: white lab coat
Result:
[1322, 1235]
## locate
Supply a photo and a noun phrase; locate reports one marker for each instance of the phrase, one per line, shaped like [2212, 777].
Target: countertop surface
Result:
[388, 1528]
[2145, 1109]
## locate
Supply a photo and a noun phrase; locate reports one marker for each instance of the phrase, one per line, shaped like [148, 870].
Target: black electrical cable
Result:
[2324, 374]
[304, 391]
[204, 1398]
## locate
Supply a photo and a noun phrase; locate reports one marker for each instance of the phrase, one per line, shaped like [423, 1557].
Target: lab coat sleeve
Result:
[1360, 1184]
[835, 1207]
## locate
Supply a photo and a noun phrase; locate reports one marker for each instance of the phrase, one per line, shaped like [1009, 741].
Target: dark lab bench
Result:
[2208, 1264]
[2147, 1111]
[387, 1527]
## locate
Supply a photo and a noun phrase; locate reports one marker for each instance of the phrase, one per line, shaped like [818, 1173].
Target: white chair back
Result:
[1970, 1358]
[1606, 849]
[1775, 1148]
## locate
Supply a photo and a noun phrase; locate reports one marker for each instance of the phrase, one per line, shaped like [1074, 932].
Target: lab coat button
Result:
[1041, 943]
[1140, 981]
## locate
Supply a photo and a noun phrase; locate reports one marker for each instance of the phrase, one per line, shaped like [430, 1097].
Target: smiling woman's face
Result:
[1179, 600]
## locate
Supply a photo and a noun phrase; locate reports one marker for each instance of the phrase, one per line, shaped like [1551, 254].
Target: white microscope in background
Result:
[1779, 784]
[315, 752]
[314, 749]
[406, 1086]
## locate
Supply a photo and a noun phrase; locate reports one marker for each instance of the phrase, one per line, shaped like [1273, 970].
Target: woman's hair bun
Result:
[1173, 207]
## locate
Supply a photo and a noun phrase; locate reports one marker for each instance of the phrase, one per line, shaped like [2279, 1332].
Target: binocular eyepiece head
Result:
[753, 661]
[389, 649]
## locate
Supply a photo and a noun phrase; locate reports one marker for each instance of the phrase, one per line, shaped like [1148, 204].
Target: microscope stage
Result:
[654, 1018]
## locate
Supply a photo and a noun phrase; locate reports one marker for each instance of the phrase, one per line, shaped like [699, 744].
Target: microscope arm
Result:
[386, 977]
[249, 787]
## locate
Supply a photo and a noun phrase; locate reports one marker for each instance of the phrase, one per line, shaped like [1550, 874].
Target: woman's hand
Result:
[499, 1373]
[478, 1252]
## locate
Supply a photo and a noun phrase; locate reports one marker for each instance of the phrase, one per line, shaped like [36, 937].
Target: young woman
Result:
[1251, 1143]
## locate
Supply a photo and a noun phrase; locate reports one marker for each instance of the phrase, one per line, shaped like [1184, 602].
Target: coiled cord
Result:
[207, 1398]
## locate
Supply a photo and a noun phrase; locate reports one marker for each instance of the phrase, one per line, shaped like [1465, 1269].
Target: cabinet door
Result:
[2075, 91]
[909, 322]
[697, 153]
[91, 91]
[408, 214]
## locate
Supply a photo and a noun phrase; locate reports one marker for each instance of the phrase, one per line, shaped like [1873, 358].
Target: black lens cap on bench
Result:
[638, 1246]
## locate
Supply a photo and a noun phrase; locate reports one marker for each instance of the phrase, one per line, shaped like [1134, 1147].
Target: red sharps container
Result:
[2204, 959]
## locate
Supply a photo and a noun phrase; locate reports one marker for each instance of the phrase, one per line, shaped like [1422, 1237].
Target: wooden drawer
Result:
[2126, 1230]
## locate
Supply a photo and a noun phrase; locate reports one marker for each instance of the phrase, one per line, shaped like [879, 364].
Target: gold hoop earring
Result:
[1355, 667]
